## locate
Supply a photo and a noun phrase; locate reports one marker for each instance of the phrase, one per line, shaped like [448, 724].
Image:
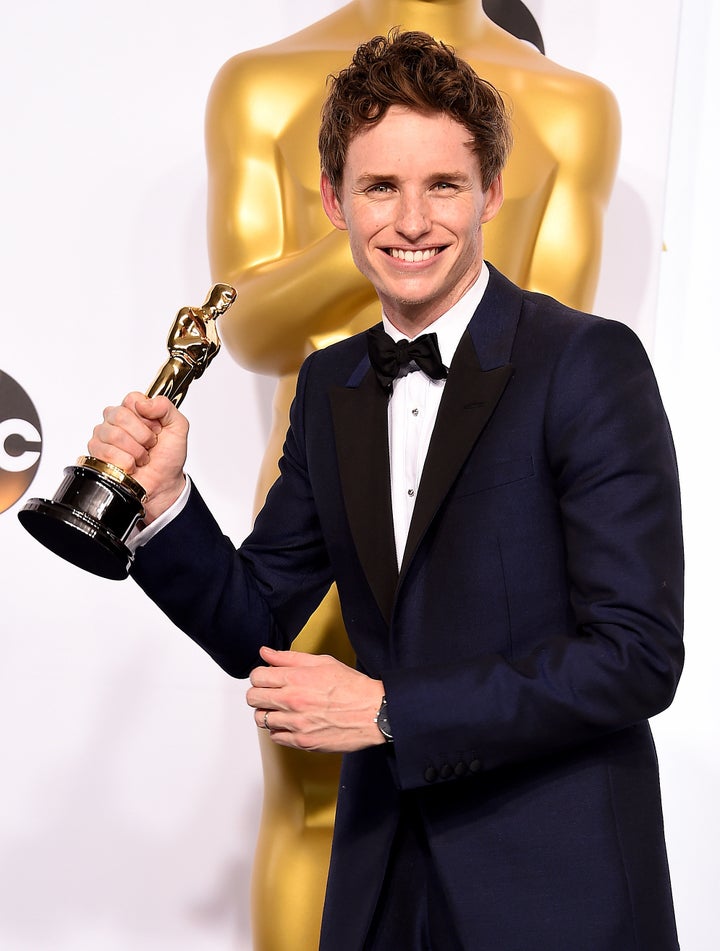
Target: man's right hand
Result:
[148, 440]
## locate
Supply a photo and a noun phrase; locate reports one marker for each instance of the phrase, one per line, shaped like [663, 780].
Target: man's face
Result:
[413, 205]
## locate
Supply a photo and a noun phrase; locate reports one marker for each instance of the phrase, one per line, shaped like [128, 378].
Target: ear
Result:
[331, 203]
[493, 199]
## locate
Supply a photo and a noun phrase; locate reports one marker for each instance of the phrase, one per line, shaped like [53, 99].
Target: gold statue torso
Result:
[299, 290]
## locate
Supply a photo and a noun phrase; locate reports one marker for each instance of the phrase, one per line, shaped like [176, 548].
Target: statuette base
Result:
[88, 521]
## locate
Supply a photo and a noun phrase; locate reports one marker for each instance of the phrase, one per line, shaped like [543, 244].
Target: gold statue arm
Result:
[288, 300]
[585, 136]
[268, 235]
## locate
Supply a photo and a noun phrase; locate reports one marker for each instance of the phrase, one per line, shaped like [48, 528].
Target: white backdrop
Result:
[130, 778]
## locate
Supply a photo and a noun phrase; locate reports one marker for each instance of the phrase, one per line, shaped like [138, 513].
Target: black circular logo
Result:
[20, 441]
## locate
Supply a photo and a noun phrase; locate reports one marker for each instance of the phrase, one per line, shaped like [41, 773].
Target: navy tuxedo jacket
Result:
[533, 628]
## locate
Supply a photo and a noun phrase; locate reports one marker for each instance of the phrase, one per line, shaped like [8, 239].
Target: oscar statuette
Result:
[91, 516]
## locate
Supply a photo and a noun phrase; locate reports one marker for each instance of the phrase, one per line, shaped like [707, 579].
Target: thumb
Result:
[154, 408]
[159, 408]
[289, 658]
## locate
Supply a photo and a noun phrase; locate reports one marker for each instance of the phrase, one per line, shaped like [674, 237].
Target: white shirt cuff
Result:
[142, 536]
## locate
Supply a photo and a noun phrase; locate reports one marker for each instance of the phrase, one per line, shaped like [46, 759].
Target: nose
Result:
[413, 216]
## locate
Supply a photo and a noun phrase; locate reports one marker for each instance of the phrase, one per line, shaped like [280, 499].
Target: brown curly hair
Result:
[415, 70]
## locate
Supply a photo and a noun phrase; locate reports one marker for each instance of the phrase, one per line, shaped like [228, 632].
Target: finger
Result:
[269, 677]
[268, 720]
[126, 417]
[121, 440]
[119, 420]
[268, 699]
[262, 719]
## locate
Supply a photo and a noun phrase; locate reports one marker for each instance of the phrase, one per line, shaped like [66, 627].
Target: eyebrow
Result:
[373, 178]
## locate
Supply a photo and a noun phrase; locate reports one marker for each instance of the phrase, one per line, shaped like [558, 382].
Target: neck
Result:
[450, 20]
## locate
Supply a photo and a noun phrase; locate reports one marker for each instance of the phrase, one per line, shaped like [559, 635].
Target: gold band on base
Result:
[116, 474]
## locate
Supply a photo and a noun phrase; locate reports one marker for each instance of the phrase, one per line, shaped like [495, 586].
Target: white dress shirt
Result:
[412, 411]
[413, 408]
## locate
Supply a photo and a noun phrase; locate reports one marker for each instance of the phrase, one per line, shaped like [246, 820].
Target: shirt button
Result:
[415, 412]
[411, 493]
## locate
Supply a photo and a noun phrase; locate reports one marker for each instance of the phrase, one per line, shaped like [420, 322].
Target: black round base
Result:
[87, 522]
[76, 538]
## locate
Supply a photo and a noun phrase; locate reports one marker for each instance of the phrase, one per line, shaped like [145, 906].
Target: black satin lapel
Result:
[468, 401]
[361, 437]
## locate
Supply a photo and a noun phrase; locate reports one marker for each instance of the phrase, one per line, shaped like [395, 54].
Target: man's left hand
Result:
[314, 702]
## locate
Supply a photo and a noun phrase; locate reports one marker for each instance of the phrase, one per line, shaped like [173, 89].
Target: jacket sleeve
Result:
[610, 450]
[231, 602]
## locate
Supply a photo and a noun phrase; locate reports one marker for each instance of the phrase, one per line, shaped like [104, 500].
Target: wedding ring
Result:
[265, 723]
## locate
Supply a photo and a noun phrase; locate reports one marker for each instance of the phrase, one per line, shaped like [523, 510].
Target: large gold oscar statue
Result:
[299, 290]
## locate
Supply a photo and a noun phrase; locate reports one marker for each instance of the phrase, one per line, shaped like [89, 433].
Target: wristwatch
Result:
[383, 721]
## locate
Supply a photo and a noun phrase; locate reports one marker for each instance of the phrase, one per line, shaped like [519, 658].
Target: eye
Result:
[444, 186]
[379, 188]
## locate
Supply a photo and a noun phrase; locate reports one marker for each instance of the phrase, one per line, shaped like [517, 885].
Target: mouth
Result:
[410, 256]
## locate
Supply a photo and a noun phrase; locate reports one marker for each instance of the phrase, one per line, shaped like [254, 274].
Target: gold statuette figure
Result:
[91, 516]
[193, 341]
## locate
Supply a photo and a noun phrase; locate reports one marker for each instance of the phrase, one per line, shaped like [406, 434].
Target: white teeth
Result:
[414, 255]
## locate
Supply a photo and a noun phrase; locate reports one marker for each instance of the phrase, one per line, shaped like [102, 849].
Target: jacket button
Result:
[446, 771]
[431, 774]
[460, 769]
[475, 766]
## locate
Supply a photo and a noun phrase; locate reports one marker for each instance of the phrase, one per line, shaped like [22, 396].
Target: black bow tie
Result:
[388, 358]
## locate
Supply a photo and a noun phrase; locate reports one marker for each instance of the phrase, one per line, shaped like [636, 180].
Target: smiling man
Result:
[414, 219]
[489, 477]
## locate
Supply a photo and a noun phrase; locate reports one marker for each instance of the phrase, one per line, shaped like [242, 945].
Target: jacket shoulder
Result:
[336, 364]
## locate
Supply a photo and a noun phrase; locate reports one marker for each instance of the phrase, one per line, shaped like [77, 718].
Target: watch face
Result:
[383, 721]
